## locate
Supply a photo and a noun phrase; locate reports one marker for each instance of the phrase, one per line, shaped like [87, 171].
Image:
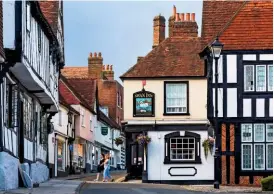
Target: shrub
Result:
[267, 183]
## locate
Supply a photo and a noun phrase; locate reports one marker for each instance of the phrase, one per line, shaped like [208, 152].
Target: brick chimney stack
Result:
[158, 30]
[171, 21]
[95, 63]
[108, 72]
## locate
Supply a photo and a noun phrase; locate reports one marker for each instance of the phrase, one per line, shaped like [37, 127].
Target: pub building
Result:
[166, 99]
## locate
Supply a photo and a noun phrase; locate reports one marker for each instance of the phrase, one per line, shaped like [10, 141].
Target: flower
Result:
[143, 139]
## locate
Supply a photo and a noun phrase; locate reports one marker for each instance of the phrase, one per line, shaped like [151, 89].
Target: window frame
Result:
[60, 118]
[265, 86]
[197, 149]
[252, 76]
[254, 150]
[251, 145]
[256, 124]
[266, 156]
[266, 132]
[268, 81]
[170, 149]
[165, 98]
[83, 117]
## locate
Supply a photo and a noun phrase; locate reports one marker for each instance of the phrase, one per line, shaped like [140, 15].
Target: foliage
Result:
[118, 141]
[143, 139]
[267, 183]
[208, 146]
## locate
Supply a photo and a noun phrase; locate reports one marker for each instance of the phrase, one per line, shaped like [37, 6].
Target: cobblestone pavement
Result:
[135, 188]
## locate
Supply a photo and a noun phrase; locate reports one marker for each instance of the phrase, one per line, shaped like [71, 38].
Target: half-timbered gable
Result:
[245, 87]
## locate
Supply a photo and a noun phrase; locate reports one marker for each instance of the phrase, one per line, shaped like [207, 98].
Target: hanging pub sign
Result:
[143, 104]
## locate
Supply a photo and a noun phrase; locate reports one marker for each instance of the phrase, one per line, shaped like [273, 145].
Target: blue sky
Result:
[121, 30]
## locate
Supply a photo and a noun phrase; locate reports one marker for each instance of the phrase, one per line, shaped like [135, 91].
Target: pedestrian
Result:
[107, 169]
[100, 167]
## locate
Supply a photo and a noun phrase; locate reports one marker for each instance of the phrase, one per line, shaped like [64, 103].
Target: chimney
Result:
[158, 30]
[139, 58]
[95, 63]
[108, 72]
[183, 26]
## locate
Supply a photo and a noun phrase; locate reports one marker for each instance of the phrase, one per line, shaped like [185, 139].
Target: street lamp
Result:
[216, 49]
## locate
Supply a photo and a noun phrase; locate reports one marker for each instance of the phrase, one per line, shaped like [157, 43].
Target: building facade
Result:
[30, 92]
[245, 87]
[165, 94]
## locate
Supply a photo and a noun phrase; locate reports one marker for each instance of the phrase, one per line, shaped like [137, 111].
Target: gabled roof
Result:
[63, 102]
[86, 87]
[174, 57]
[240, 25]
[72, 94]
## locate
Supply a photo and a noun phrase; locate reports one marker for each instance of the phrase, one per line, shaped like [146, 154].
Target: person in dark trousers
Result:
[100, 167]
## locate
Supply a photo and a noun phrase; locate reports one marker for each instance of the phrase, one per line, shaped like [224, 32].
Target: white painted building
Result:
[29, 93]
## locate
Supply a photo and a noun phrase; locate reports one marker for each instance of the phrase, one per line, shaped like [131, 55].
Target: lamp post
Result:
[216, 49]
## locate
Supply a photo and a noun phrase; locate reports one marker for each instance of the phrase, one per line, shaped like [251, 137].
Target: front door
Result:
[137, 153]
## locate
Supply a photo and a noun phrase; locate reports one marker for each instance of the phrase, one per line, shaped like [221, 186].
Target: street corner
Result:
[79, 187]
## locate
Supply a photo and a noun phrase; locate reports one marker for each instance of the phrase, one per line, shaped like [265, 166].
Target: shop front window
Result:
[61, 155]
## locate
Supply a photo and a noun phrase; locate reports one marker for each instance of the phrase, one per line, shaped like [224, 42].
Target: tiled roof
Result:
[63, 102]
[86, 87]
[240, 25]
[73, 95]
[50, 12]
[75, 72]
[174, 57]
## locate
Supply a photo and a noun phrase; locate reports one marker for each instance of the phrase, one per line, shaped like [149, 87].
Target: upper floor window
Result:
[39, 32]
[90, 124]
[28, 16]
[60, 117]
[176, 98]
[257, 146]
[258, 78]
[104, 109]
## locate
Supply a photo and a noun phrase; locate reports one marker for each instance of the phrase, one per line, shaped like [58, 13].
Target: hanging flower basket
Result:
[118, 141]
[143, 139]
[208, 146]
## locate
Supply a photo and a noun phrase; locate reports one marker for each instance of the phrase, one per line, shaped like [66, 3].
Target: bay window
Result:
[257, 147]
[176, 98]
[258, 78]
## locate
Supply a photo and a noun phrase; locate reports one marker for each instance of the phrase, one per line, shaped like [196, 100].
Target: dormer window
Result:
[104, 109]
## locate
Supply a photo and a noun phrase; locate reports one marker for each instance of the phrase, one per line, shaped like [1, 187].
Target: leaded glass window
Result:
[270, 78]
[246, 132]
[269, 154]
[259, 132]
[249, 78]
[259, 157]
[247, 156]
[269, 132]
[260, 78]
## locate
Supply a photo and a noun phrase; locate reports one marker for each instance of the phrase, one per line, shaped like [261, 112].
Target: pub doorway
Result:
[136, 158]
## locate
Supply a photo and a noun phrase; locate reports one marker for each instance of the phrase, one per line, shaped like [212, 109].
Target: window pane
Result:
[258, 132]
[269, 132]
[249, 77]
[269, 152]
[246, 156]
[260, 78]
[259, 157]
[182, 149]
[246, 132]
[270, 77]
[176, 98]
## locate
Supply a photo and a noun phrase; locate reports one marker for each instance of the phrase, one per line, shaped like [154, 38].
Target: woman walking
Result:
[107, 169]
[100, 167]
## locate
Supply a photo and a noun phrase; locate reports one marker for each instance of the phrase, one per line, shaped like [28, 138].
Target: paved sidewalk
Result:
[223, 189]
[52, 186]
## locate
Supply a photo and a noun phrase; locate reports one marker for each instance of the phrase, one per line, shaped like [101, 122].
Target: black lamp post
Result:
[216, 49]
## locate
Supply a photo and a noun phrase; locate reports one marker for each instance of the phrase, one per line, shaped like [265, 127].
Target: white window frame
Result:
[245, 78]
[186, 99]
[254, 128]
[242, 158]
[60, 117]
[266, 150]
[28, 17]
[268, 81]
[263, 144]
[251, 132]
[266, 129]
[257, 66]
[182, 149]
